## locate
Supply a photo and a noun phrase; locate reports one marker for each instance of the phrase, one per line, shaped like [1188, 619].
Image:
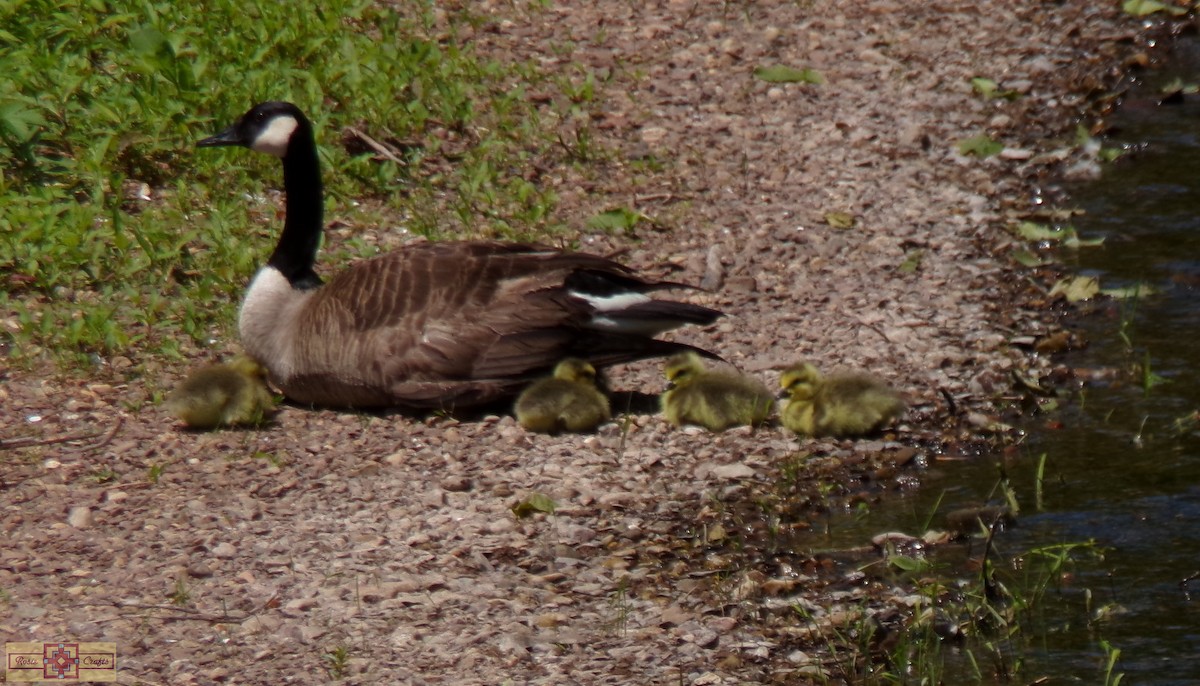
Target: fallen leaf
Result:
[840, 220]
[989, 89]
[1137, 290]
[1140, 8]
[1064, 235]
[979, 146]
[535, 502]
[912, 262]
[1077, 288]
[715, 533]
[1028, 259]
[1054, 343]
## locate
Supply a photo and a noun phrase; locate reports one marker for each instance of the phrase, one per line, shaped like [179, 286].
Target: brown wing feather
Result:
[438, 322]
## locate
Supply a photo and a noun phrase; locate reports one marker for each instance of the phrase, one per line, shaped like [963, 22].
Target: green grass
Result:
[119, 237]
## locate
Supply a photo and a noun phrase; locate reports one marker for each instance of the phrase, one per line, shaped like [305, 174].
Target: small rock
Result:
[706, 638]
[798, 657]
[265, 624]
[723, 625]
[674, 615]
[29, 611]
[733, 471]
[652, 135]
[224, 550]
[80, 517]
[741, 285]
[892, 538]
[456, 484]
[309, 634]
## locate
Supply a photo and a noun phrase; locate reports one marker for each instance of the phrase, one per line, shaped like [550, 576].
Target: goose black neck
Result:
[296, 251]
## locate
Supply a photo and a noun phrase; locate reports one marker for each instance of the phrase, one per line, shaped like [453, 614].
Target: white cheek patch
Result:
[275, 138]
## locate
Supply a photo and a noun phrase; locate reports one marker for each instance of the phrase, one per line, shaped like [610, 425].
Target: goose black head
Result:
[268, 127]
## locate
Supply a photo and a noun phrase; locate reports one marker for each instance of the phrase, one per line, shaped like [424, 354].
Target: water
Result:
[1119, 471]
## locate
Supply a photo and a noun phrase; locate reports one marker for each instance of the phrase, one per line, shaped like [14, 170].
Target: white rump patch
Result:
[612, 303]
[275, 138]
[608, 314]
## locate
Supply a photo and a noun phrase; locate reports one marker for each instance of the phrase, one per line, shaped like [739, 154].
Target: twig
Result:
[107, 436]
[949, 401]
[876, 329]
[651, 197]
[375, 145]
[33, 442]
[197, 615]
[190, 613]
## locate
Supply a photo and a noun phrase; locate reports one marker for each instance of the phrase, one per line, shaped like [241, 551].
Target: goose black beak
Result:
[229, 136]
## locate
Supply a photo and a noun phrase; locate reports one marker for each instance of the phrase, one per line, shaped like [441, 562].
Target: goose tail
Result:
[620, 304]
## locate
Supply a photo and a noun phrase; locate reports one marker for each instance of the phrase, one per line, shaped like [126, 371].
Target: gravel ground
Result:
[391, 542]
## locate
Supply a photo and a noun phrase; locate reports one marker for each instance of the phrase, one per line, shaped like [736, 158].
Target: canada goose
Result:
[431, 325]
[850, 404]
[712, 399]
[226, 394]
[569, 400]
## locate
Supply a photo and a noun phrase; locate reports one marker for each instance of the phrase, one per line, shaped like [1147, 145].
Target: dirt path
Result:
[251, 557]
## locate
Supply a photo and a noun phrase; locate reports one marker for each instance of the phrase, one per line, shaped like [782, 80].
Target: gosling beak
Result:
[229, 136]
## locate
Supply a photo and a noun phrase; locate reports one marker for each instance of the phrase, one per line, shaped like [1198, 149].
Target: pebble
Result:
[80, 517]
[732, 471]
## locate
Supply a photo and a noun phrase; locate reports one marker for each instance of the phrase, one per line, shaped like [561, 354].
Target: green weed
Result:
[117, 238]
[180, 595]
[620, 608]
[337, 662]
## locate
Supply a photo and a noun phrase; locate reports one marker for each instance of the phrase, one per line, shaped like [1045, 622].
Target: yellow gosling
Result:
[230, 394]
[566, 401]
[841, 405]
[716, 400]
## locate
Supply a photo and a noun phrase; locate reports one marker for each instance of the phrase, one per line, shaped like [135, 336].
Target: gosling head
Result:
[576, 371]
[268, 127]
[247, 366]
[800, 381]
[681, 368]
